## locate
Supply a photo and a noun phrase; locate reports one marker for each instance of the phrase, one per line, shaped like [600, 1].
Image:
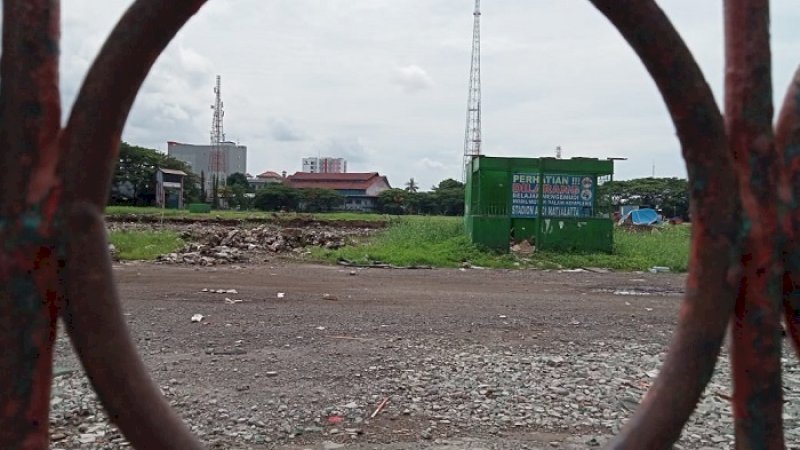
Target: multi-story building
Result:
[230, 159]
[324, 165]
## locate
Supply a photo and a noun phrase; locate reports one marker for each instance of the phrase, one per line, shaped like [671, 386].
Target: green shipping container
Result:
[549, 202]
[199, 208]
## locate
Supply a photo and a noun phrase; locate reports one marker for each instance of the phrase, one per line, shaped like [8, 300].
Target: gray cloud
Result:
[412, 79]
[554, 73]
[284, 130]
[353, 149]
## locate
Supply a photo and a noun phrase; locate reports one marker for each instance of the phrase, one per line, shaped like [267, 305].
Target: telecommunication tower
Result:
[218, 163]
[472, 135]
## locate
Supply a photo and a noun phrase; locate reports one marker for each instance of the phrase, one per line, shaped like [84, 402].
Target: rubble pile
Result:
[211, 245]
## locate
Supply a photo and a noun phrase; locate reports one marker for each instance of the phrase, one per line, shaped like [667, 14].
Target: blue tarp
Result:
[645, 216]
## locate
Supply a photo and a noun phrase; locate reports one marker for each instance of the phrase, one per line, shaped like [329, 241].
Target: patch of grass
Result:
[440, 242]
[666, 247]
[240, 215]
[145, 245]
[416, 240]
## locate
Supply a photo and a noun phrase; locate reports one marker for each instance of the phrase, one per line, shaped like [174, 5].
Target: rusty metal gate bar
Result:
[744, 180]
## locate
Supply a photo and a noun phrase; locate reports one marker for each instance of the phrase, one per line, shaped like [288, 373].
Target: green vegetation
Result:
[440, 242]
[127, 211]
[134, 181]
[667, 247]
[670, 195]
[145, 245]
[436, 241]
[416, 240]
[445, 199]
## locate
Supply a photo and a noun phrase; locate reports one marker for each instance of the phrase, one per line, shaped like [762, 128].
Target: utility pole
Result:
[472, 135]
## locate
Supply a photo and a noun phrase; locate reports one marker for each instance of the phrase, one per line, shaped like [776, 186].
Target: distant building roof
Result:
[222, 144]
[173, 172]
[269, 174]
[339, 181]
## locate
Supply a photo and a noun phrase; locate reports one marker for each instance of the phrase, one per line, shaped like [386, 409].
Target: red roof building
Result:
[360, 190]
[264, 179]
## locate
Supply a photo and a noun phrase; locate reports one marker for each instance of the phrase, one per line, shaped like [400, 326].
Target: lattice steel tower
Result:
[472, 135]
[218, 163]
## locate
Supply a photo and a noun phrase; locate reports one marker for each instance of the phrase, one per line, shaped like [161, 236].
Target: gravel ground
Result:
[468, 359]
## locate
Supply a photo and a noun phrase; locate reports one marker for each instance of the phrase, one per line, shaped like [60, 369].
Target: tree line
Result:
[668, 195]
[446, 198]
[134, 184]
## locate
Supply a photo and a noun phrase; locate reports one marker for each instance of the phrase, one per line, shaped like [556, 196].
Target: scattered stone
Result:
[211, 245]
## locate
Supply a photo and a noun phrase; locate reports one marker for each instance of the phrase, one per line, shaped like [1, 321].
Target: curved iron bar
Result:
[30, 114]
[714, 259]
[787, 143]
[756, 351]
[100, 335]
[90, 143]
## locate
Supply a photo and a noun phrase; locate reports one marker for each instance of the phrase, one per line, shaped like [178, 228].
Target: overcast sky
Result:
[383, 83]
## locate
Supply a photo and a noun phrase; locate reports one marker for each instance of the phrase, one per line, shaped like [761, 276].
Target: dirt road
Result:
[300, 356]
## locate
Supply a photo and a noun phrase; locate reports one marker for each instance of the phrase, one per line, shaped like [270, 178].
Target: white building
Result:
[233, 159]
[324, 165]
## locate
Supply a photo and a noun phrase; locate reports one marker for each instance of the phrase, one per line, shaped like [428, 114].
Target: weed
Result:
[145, 245]
[441, 242]
[240, 215]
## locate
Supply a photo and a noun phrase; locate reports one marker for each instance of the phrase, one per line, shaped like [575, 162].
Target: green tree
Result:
[317, 200]
[276, 197]
[215, 191]
[225, 193]
[238, 179]
[670, 195]
[134, 181]
[393, 201]
[411, 185]
[448, 197]
[449, 183]
[203, 194]
[427, 203]
[238, 198]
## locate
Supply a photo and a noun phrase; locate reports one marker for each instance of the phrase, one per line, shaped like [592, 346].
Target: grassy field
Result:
[441, 242]
[239, 215]
[433, 241]
[411, 240]
[144, 245]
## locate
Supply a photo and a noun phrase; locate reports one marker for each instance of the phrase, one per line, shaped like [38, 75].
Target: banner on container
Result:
[524, 195]
[563, 195]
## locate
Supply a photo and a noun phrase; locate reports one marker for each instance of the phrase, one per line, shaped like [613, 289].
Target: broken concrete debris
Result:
[209, 245]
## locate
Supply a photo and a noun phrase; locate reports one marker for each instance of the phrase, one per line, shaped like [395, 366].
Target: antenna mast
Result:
[217, 161]
[472, 135]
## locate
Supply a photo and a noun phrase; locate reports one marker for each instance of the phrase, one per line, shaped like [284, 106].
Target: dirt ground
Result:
[338, 334]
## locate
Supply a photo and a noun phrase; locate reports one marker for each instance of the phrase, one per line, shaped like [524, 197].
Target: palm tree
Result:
[411, 185]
